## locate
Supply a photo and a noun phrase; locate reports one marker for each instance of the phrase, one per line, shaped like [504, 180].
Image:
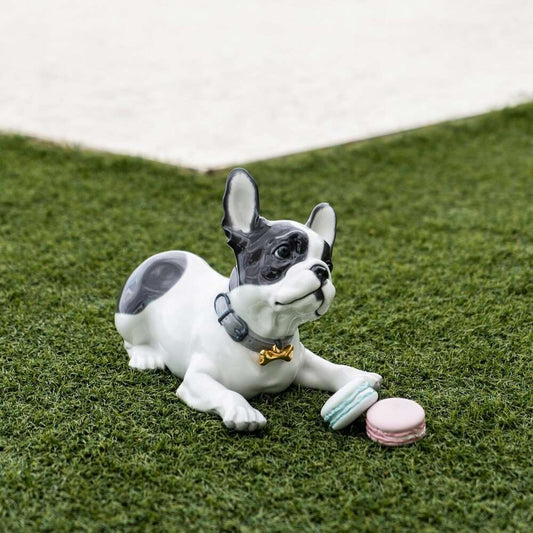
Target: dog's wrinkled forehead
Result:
[266, 250]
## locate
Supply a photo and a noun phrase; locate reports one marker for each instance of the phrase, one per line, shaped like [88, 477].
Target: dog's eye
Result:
[282, 252]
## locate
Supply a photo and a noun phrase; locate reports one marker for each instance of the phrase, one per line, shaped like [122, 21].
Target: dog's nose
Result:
[321, 272]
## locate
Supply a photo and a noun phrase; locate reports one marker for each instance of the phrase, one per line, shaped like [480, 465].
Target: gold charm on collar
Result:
[265, 356]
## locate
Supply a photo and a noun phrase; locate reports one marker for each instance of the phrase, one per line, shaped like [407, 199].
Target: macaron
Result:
[396, 422]
[348, 403]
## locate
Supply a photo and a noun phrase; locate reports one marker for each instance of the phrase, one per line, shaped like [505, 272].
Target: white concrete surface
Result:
[208, 84]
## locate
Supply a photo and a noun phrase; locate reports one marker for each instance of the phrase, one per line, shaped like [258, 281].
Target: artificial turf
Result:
[433, 269]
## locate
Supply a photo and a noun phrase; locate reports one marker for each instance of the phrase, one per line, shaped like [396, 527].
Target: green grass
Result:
[434, 276]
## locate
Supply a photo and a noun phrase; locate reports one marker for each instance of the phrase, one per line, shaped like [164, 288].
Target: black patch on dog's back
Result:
[149, 281]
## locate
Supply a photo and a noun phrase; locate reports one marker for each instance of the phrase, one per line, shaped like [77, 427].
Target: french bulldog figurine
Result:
[231, 339]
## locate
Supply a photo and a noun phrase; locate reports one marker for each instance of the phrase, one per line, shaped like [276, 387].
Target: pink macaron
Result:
[396, 422]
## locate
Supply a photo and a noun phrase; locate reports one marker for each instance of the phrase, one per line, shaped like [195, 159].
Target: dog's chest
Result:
[242, 372]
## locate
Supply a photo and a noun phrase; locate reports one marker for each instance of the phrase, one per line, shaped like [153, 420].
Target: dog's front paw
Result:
[243, 417]
[372, 378]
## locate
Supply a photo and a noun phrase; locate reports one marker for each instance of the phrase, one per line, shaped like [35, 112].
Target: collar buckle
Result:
[235, 326]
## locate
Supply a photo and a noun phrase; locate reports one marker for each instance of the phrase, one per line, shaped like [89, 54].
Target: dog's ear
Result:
[323, 221]
[241, 203]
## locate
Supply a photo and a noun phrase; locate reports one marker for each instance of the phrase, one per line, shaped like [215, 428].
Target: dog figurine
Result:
[231, 339]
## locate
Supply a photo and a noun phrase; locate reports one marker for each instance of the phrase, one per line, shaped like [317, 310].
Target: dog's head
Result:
[283, 273]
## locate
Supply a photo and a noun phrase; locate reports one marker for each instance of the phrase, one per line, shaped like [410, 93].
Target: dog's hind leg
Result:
[144, 357]
[136, 335]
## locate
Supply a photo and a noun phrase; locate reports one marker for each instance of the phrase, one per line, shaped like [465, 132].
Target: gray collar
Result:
[239, 331]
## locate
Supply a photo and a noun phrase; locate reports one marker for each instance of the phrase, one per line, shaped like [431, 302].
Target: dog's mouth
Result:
[317, 292]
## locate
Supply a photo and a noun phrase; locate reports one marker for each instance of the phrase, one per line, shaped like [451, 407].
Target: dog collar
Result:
[268, 349]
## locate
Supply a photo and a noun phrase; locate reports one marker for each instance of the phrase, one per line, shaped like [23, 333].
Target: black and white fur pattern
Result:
[282, 279]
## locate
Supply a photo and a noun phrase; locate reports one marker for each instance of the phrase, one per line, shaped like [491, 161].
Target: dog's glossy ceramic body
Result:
[167, 318]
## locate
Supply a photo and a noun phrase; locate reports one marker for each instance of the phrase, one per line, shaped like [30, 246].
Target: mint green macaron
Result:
[348, 403]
